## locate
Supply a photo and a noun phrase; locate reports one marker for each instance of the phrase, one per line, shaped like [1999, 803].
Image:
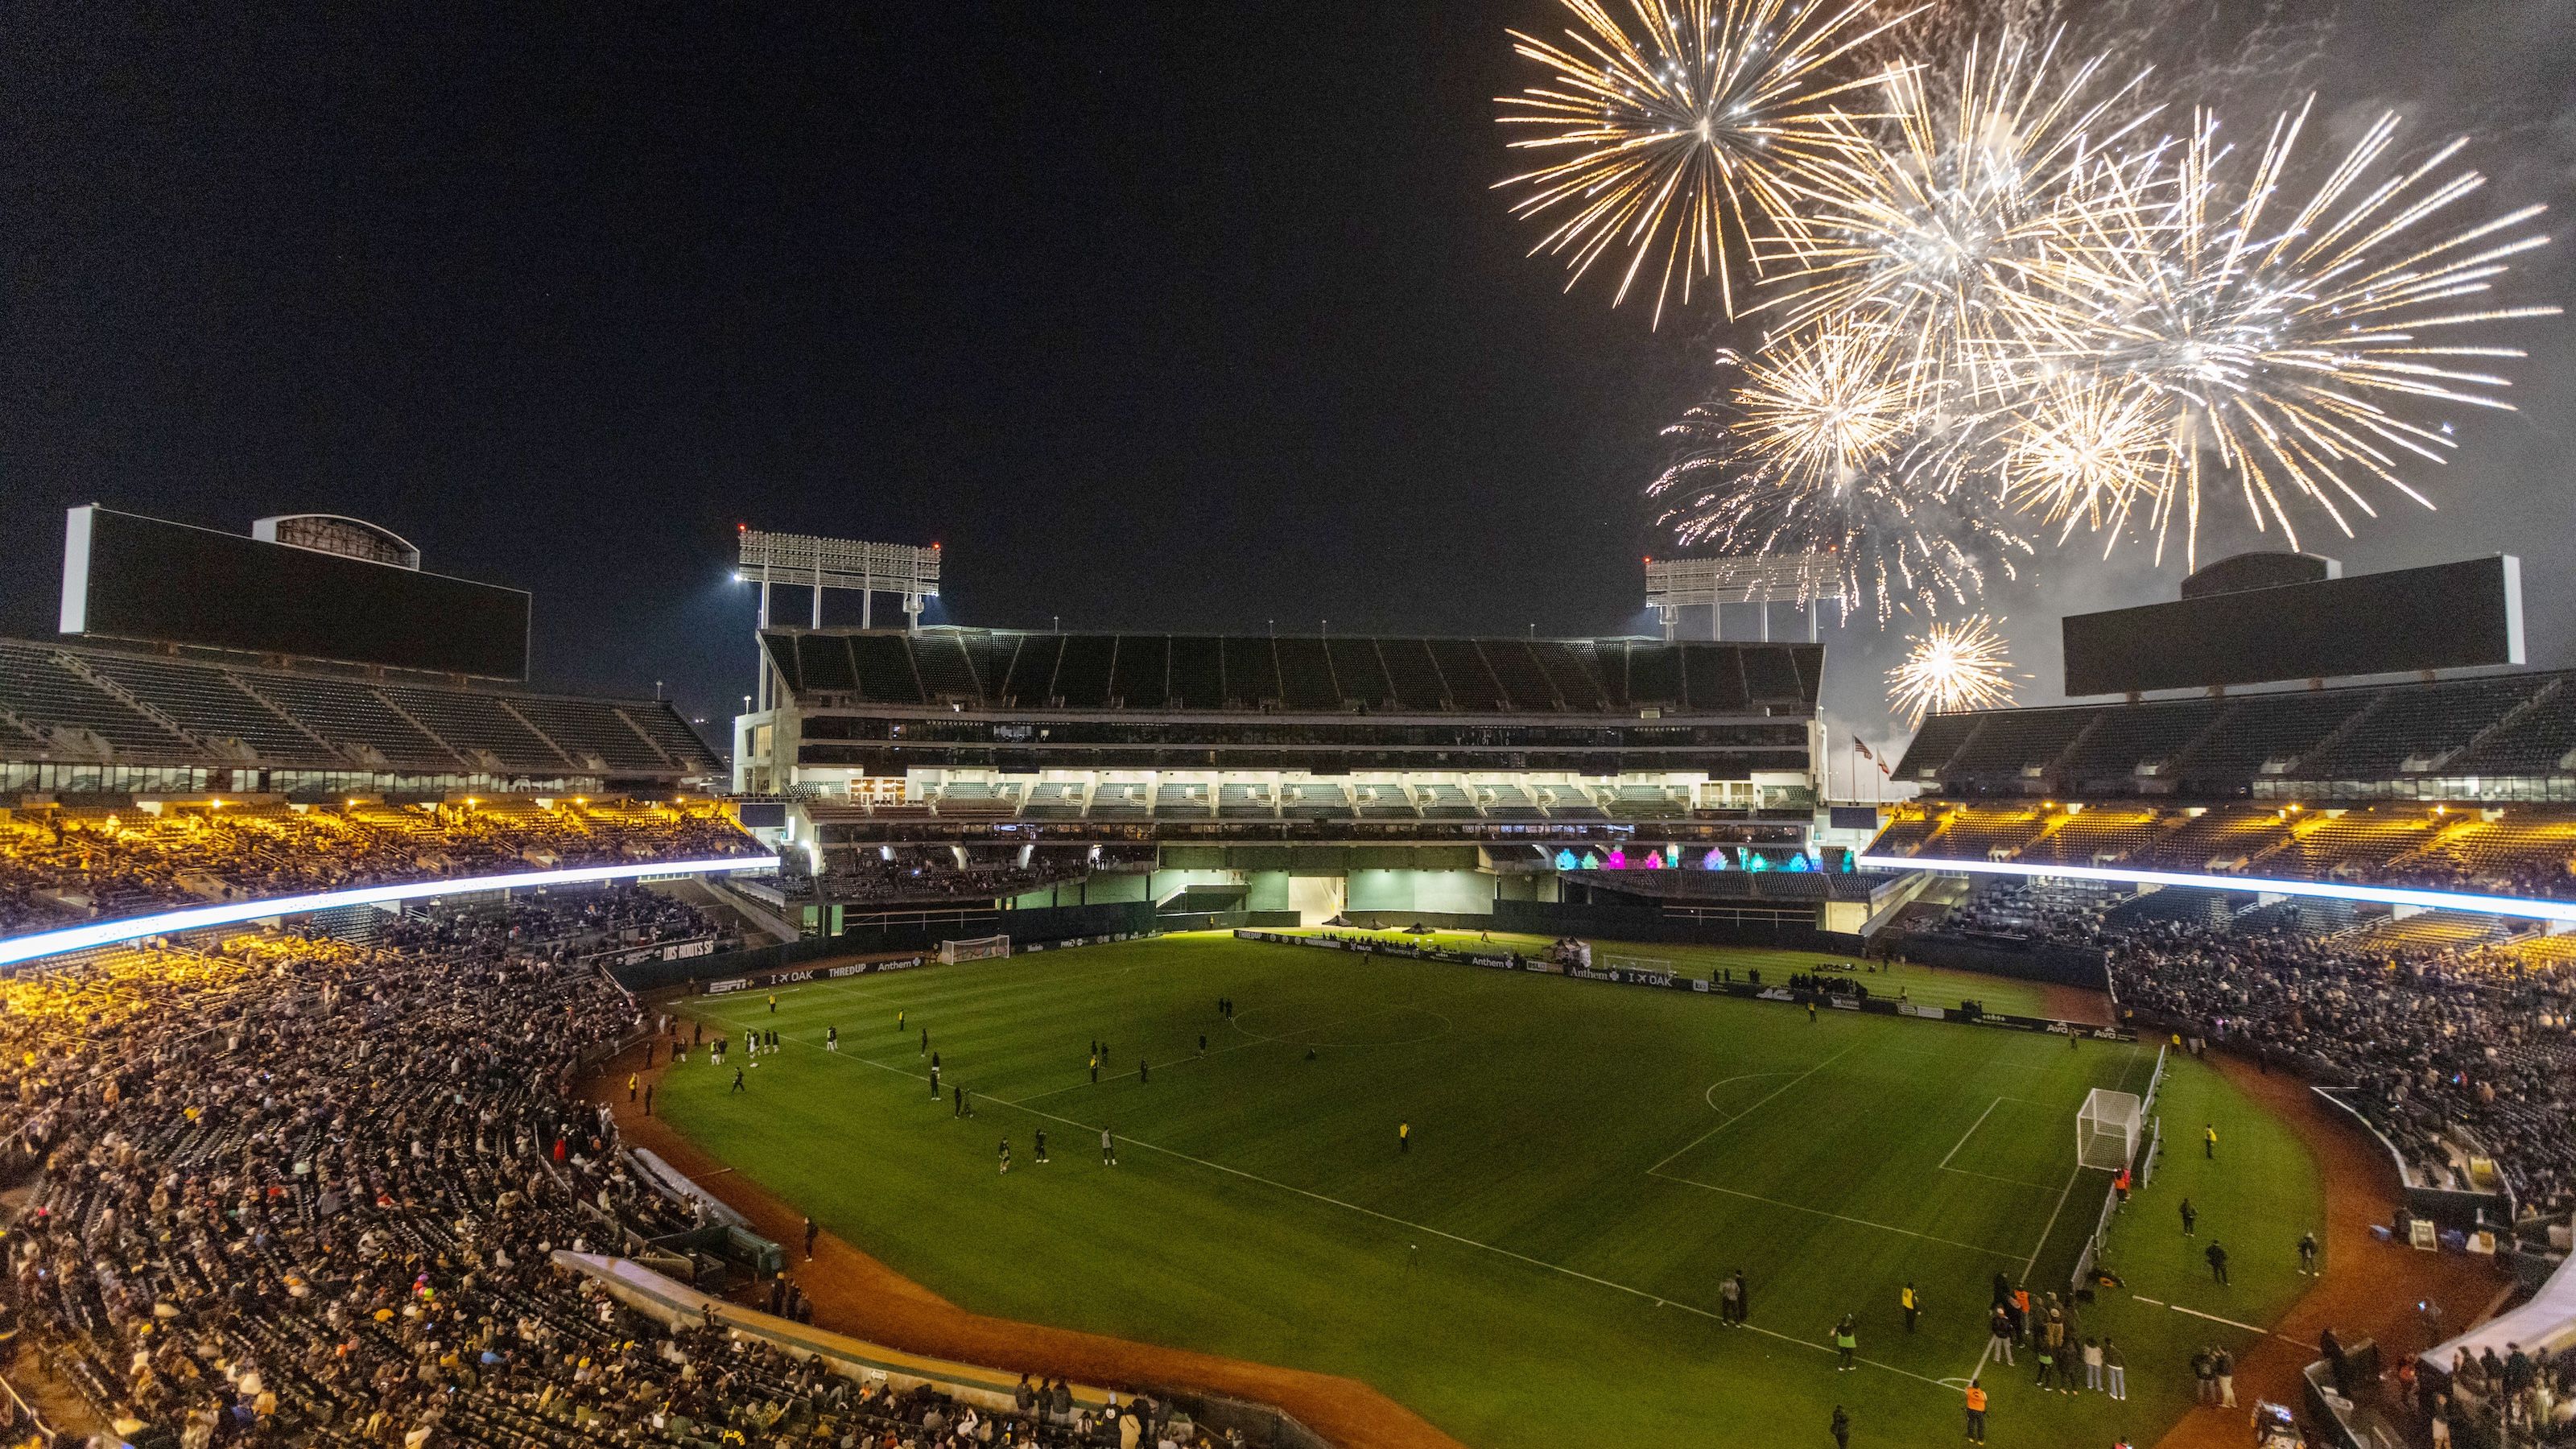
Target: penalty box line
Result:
[1944, 1164]
[2051, 1225]
[1466, 1242]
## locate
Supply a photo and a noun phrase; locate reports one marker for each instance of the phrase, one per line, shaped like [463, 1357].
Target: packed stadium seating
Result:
[2396, 741]
[65, 865]
[2515, 850]
[297, 1191]
[64, 702]
[2435, 1030]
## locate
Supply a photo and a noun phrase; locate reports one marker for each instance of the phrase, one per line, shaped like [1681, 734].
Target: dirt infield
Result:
[2369, 1289]
[857, 1295]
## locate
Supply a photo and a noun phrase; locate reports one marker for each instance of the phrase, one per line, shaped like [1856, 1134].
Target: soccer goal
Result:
[1652, 965]
[2106, 1131]
[977, 949]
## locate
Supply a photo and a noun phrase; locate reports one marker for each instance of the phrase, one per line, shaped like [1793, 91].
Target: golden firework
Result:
[2288, 330]
[1823, 408]
[1933, 223]
[1664, 136]
[1953, 665]
[2084, 450]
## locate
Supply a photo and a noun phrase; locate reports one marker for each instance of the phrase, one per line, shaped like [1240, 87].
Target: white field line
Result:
[2033, 1261]
[2232, 1323]
[1425, 1228]
[1710, 1096]
[2002, 1253]
[1944, 1165]
[1658, 1168]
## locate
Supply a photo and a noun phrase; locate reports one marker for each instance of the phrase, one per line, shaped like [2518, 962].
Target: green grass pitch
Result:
[1589, 1160]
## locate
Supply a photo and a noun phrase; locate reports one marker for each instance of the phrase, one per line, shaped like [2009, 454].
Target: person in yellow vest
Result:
[2209, 1141]
[1976, 1412]
[630, 1087]
[773, 1003]
[1403, 1137]
[1912, 1305]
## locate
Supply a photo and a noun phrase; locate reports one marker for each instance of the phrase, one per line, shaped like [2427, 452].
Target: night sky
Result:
[1184, 317]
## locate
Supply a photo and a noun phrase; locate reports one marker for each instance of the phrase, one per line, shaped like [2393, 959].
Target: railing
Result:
[24, 1424]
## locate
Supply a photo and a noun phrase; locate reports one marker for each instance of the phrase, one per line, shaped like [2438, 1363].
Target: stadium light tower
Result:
[800, 559]
[842, 563]
[1805, 579]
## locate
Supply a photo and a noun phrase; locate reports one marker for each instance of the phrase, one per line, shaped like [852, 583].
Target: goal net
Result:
[1654, 965]
[976, 949]
[2106, 1130]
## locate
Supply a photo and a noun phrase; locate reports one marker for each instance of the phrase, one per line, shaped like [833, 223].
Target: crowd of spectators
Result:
[2032, 909]
[2514, 1397]
[60, 867]
[914, 873]
[300, 1191]
[2426, 1041]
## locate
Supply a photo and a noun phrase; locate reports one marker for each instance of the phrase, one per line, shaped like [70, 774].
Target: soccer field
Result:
[1542, 1268]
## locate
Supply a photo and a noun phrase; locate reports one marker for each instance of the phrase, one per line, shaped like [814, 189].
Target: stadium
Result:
[1282, 1040]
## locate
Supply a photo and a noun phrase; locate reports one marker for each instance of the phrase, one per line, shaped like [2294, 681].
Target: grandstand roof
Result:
[1016, 671]
[2487, 728]
[64, 701]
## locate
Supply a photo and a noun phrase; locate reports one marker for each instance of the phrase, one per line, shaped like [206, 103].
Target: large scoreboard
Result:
[2447, 616]
[126, 577]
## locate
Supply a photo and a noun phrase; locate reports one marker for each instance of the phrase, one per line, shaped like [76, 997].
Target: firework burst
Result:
[1933, 224]
[1820, 450]
[2084, 450]
[1664, 138]
[1951, 666]
[2292, 334]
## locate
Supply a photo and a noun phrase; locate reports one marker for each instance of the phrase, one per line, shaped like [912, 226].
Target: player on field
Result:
[737, 1081]
[1108, 1149]
[1041, 1145]
[1403, 1137]
[831, 1038]
[1006, 1157]
[1144, 1072]
[1095, 1069]
[2209, 1141]
[2308, 1253]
